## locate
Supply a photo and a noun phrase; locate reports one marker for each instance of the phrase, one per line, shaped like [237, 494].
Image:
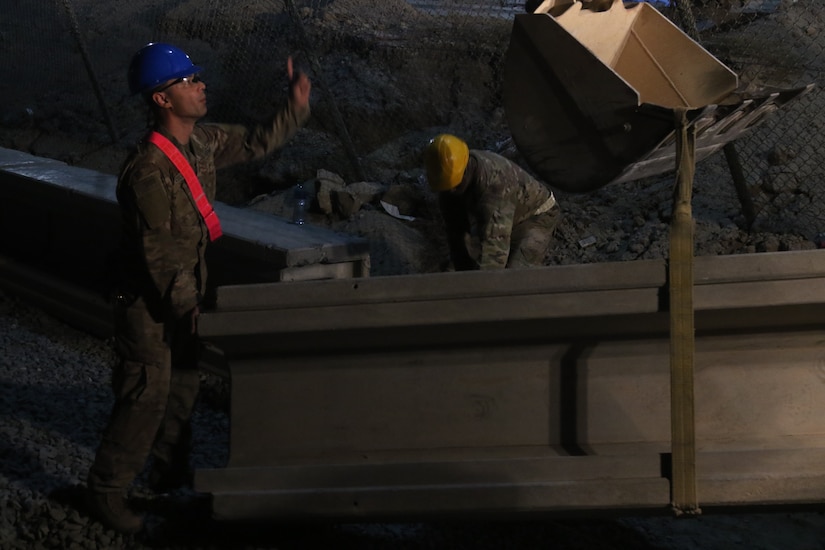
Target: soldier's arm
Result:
[496, 230]
[235, 143]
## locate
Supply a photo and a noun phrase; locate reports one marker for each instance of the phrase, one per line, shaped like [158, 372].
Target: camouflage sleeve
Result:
[235, 143]
[496, 228]
[494, 208]
[168, 260]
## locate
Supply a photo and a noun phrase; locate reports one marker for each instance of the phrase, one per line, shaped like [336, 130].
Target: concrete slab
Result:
[65, 220]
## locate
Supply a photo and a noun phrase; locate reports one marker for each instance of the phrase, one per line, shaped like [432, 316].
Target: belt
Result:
[546, 205]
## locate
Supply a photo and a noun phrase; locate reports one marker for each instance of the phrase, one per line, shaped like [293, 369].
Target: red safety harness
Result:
[207, 212]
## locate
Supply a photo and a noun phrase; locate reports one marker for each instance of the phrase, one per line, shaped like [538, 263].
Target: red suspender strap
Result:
[207, 212]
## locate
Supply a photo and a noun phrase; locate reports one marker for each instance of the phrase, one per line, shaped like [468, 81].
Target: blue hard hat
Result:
[155, 63]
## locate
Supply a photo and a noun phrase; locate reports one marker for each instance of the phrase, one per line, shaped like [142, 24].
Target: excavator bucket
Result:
[590, 96]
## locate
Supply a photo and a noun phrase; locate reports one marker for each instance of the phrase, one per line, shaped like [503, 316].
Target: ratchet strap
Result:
[682, 338]
[206, 211]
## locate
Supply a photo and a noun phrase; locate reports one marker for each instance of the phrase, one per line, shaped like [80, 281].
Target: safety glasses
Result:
[192, 79]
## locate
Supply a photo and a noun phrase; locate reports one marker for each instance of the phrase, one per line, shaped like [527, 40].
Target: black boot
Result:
[111, 509]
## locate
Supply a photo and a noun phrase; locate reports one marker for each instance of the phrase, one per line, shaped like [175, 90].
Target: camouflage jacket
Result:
[164, 236]
[499, 196]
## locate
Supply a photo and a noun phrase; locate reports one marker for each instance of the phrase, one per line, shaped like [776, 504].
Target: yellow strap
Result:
[682, 341]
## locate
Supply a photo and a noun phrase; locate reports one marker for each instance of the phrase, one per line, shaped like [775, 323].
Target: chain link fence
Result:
[386, 75]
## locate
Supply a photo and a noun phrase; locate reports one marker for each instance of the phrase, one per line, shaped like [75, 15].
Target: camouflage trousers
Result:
[155, 386]
[531, 239]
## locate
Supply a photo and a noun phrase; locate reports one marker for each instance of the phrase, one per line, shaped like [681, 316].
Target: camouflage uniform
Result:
[164, 277]
[504, 217]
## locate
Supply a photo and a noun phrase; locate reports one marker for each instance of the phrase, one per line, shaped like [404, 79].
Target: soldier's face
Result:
[186, 97]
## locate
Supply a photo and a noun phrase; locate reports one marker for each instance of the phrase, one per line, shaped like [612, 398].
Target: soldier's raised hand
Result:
[299, 85]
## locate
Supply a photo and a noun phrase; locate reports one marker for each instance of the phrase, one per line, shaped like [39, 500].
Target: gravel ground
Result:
[54, 399]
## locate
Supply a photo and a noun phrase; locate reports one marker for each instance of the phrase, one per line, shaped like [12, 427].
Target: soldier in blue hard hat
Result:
[166, 191]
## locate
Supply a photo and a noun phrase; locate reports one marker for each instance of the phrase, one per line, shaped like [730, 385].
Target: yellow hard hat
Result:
[445, 160]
